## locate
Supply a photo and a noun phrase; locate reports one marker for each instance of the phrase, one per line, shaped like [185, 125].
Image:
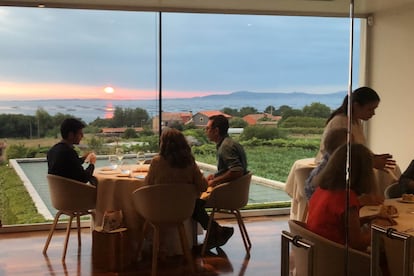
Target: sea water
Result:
[89, 110]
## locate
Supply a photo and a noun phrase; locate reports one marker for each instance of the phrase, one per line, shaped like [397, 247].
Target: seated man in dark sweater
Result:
[62, 158]
[231, 164]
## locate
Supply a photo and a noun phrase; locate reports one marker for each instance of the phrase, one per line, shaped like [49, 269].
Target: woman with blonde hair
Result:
[327, 206]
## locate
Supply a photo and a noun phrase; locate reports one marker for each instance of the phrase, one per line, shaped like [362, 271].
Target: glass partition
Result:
[278, 77]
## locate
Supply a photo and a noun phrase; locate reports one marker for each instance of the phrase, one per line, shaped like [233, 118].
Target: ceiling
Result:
[362, 8]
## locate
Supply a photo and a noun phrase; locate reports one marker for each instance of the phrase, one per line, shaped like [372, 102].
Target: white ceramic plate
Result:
[405, 201]
[108, 171]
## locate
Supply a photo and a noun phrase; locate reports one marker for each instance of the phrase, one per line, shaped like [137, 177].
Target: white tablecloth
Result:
[295, 187]
[301, 169]
[405, 223]
[405, 219]
[115, 193]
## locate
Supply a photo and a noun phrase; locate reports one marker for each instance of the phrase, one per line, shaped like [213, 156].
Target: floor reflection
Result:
[220, 263]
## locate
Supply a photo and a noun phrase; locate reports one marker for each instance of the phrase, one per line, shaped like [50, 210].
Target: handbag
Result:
[112, 220]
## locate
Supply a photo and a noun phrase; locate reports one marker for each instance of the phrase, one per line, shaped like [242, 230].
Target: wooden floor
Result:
[21, 254]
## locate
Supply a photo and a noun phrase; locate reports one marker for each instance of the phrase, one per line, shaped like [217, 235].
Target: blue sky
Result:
[47, 49]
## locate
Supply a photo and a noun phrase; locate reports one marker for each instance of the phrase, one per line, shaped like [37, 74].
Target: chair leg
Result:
[52, 230]
[194, 227]
[79, 230]
[155, 248]
[93, 219]
[210, 222]
[243, 231]
[141, 239]
[69, 226]
[185, 247]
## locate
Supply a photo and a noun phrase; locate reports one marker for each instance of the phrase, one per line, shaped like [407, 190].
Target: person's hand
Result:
[384, 162]
[370, 199]
[85, 155]
[210, 180]
[91, 158]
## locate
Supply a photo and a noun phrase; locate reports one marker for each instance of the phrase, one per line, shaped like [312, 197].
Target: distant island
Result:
[248, 95]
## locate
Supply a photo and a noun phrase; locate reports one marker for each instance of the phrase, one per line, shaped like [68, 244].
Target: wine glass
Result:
[113, 161]
[125, 168]
[141, 158]
[119, 154]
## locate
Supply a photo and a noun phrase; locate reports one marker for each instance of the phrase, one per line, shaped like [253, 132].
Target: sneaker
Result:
[224, 235]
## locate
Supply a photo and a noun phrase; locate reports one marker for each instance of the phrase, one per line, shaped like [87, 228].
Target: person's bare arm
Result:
[370, 199]
[225, 177]
[358, 239]
[384, 161]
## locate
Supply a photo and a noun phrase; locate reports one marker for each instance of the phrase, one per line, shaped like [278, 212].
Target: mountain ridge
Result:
[270, 95]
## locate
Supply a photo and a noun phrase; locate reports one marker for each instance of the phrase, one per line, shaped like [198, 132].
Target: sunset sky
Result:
[57, 53]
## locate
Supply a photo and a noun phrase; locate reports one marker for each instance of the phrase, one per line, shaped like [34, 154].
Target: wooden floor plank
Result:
[21, 254]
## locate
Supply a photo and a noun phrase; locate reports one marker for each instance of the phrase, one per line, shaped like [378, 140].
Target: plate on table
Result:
[405, 201]
[141, 168]
[123, 174]
[108, 171]
[141, 177]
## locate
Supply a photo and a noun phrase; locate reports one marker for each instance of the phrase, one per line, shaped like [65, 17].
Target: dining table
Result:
[300, 170]
[395, 253]
[114, 193]
[295, 187]
[404, 218]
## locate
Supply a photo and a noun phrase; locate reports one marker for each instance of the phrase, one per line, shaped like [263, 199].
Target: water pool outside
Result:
[33, 172]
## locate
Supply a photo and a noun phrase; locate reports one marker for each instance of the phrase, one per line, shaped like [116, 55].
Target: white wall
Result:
[390, 61]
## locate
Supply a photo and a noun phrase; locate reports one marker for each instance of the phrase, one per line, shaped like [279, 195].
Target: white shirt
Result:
[341, 121]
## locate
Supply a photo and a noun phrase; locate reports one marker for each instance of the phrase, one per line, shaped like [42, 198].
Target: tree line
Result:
[42, 124]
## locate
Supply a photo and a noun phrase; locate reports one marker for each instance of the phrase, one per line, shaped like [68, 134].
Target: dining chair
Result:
[328, 257]
[166, 205]
[300, 243]
[393, 190]
[72, 198]
[229, 198]
[398, 248]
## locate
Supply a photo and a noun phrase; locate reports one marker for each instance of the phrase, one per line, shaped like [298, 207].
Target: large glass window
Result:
[108, 67]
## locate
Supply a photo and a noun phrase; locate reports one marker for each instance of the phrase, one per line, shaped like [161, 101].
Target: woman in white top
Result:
[364, 102]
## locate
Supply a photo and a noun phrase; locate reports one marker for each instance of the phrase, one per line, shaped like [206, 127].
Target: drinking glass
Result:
[113, 161]
[141, 158]
[125, 168]
[119, 154]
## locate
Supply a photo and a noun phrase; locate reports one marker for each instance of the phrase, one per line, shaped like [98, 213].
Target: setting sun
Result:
[109, 90]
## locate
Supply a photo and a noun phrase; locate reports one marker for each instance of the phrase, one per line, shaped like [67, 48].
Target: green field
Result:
[268, 161]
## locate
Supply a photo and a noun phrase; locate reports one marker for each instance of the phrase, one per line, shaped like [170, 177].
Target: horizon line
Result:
[169, 98]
